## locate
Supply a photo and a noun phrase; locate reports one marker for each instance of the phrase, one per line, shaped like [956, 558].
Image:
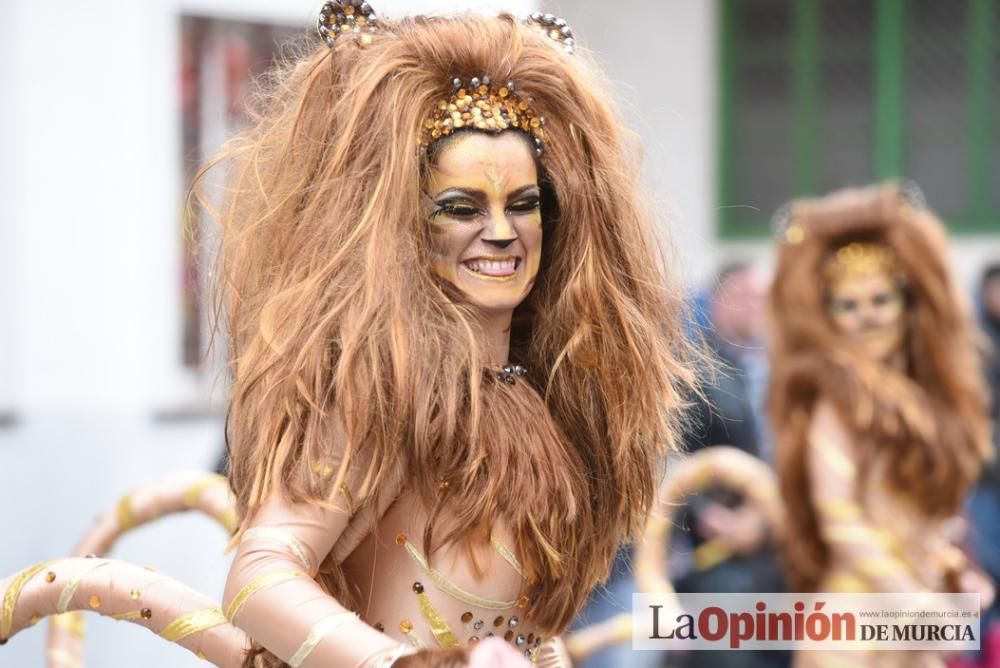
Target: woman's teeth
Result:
[492, 267]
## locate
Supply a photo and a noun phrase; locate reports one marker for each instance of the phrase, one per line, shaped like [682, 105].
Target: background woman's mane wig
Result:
[929, 422]
[347, 349]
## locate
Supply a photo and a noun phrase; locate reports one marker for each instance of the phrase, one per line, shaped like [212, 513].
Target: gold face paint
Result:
[868, 309]
[483, 202]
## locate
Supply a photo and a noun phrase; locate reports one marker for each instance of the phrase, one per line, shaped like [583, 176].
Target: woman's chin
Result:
[493, 306]
[495, 301]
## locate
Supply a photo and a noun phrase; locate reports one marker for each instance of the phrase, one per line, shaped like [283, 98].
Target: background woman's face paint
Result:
[869, 311]
[486, 220]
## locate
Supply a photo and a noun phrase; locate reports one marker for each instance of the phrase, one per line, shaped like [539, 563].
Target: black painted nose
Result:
[500, 243]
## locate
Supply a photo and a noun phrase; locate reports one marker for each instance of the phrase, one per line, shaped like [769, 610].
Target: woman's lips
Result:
[492, 267]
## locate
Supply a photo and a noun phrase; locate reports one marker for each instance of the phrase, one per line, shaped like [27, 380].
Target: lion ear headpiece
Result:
[475, 104]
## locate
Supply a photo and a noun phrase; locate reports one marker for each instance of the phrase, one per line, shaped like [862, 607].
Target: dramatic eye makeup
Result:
[472, 204]
[884, 298]
[844, 305]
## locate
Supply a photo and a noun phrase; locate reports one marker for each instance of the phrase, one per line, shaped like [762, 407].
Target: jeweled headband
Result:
[859, 259]
[477, 104]
[481, 105]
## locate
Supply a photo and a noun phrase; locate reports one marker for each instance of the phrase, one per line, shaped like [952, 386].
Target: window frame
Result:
[735, 222]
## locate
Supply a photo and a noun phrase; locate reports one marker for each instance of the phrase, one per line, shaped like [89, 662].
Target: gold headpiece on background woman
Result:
[858, 259]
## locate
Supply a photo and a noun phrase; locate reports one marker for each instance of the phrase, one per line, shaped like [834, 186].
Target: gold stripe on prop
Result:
[62, 657]
[442, 632]
[126, 520]
[129, 616]
[195, 491]
[255, 585]
[228, 520]
[66, 595]
[73, 623]
[13, 593]
[191, 623]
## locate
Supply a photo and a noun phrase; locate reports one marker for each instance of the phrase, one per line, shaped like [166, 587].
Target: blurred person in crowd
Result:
[732, 414]
[725, 537]
[984, 504]
[404, 494]
[990, 295]
[877, 403]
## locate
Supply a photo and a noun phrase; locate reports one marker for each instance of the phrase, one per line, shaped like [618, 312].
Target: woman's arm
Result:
[854, 541]
[271, 593]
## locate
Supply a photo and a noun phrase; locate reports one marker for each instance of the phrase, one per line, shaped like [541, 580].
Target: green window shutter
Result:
[817, 95]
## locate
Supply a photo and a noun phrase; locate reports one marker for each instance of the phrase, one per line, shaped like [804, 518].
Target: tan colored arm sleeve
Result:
[855, 543]
[271, 594]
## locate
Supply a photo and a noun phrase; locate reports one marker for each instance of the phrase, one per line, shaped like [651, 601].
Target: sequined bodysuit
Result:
[271, 594]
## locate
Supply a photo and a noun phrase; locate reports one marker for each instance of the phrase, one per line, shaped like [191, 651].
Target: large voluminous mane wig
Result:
[345, 345]
[930, 422]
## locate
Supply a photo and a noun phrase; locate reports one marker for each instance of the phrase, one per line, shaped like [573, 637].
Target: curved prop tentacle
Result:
[207, 493]
[721, 465]
[124, 592]
[200, 491]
